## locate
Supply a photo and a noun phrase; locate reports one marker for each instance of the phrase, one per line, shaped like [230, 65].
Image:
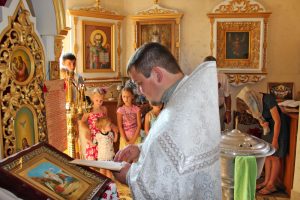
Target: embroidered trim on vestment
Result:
[186, 164]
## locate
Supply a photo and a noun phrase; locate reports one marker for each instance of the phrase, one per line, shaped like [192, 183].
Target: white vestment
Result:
[180, 157]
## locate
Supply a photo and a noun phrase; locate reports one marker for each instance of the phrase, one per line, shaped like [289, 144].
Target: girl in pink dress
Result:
[129, 118]
[98, 110]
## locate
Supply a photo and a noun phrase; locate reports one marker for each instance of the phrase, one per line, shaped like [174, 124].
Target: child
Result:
[69, 63]
[97, 111]
[129, 118]
[151, 116]
[84, 139]
[105, 139]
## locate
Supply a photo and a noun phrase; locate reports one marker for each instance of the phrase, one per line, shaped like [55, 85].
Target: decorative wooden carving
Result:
[58, 46]
[246, 18]
[240, 6]
[22, 75]
[162, 23]
[98, 12]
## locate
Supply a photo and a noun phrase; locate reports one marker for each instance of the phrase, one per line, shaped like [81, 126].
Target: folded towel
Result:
[245, 172]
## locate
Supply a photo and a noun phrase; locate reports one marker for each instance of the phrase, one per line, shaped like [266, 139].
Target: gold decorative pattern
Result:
[239, 79]
[50, 155]
[211, 45]
[75, 106]
[157, 15]
[96, 11]
[41, 153]
[19, 37]
[119, 50]
[157, 9]
[254, 30]
[265, 44]
[100, 10]
[75, 36]
[239, 6]
[58, 46]
[116, 24]
[59, 9]
[94, 82]
[248, 19]
[87, 38]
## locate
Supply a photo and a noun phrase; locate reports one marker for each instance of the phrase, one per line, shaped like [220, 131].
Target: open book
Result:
[111, 165]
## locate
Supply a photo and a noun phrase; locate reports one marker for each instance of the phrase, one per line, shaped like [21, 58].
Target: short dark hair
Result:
[209, 58]
[69, 56]
[150, 55]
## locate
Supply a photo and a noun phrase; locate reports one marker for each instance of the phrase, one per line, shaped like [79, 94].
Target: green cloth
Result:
[245, 172]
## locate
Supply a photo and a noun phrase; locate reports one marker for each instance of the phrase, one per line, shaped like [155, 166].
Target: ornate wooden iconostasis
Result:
[22, 119]
[239, 40]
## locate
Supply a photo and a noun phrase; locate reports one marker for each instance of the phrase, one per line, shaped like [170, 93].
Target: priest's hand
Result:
[121, 175]
[129, 154]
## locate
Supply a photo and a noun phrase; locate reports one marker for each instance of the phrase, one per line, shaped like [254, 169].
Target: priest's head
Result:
[153, 69]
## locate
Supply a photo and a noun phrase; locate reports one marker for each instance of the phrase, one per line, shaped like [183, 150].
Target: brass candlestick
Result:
[75, 106]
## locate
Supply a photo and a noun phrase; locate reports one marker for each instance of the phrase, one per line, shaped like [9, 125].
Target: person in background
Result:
[141, 101]
[85, 139]
[151, 117]
[139, 98]
[265, 109]
[98, 110]
[89, 119]
[69, 63]
[224, 96]
[180, 157]
[129, 118]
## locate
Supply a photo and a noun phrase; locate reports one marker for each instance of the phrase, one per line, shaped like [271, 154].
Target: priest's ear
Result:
[157, 74]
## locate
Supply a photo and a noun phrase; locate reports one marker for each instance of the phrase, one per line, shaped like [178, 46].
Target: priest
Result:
[180, 157]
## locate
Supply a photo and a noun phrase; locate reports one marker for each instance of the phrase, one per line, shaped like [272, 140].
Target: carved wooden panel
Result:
[22, 109]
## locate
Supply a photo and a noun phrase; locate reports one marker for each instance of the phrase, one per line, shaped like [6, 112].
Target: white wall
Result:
[45, 14]
[46, 25]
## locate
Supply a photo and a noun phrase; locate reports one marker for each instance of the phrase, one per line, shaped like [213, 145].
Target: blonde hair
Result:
[102, 122]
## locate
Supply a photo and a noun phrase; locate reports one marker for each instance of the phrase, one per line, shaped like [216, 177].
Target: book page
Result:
[111, 165]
